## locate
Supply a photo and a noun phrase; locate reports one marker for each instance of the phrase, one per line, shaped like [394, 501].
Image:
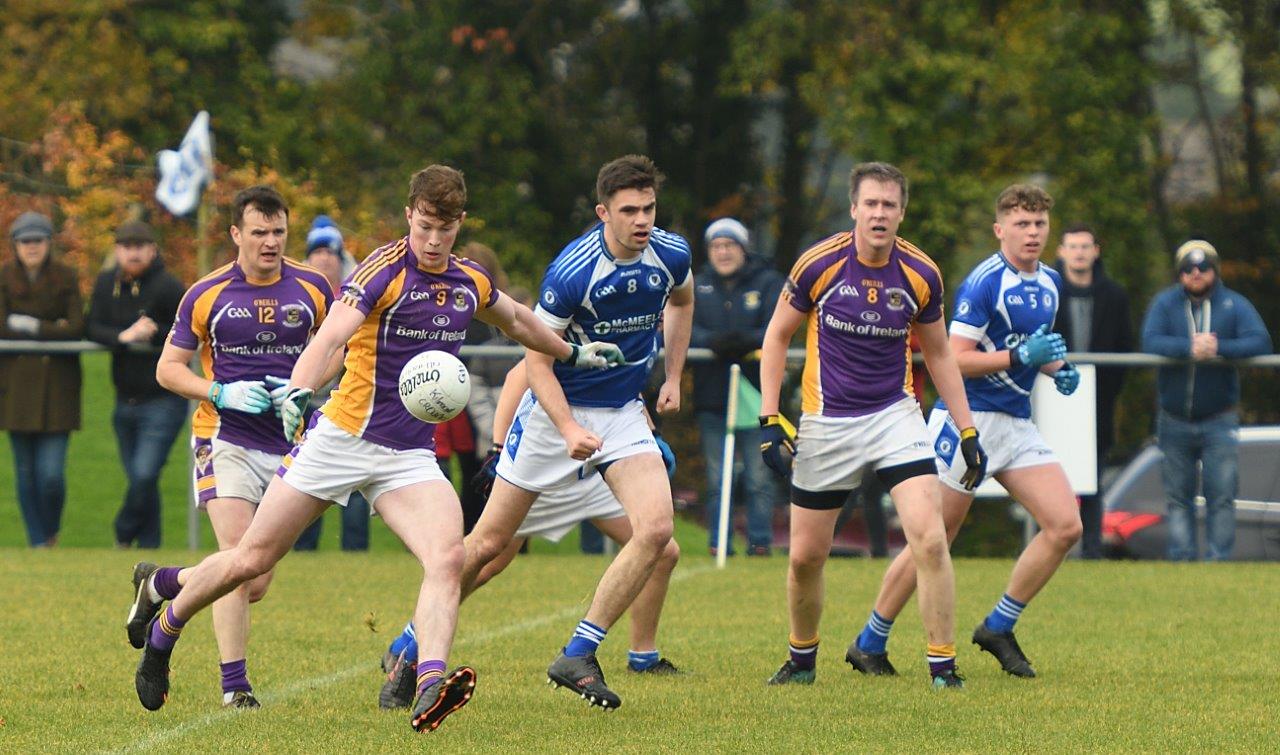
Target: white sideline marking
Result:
[364, 667]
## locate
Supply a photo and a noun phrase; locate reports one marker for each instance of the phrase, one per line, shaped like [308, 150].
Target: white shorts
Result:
[1010, 442]
[834, 453]
[535, 457]
[560, 510]
[225, 470]
[330, 463]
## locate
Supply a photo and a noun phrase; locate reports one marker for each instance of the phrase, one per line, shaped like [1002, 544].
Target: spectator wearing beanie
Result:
[327, 253]
[734, 298]
[1200, 319]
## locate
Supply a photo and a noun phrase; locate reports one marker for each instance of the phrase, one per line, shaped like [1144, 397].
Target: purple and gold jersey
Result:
[858, 358]
[246, 331]
[407, 311]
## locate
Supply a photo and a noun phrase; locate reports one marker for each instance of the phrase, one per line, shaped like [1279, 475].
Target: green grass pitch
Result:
[1132, 657]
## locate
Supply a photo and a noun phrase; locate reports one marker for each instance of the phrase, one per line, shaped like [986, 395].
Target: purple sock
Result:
[429, 672]
[165, 581]
[941, 665]
[165, 630]
[234, 677]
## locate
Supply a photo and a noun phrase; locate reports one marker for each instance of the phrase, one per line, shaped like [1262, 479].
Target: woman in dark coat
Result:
[39, 393]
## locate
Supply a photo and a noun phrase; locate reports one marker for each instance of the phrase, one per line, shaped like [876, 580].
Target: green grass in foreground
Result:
[1132, 657]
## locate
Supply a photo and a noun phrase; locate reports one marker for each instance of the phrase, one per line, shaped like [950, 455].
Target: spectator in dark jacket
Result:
[39, 393]
[733, 303]
[1200, 319]
[130, 312]
[1093, 315]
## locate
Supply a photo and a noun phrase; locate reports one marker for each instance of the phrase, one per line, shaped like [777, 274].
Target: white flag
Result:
[184, 173]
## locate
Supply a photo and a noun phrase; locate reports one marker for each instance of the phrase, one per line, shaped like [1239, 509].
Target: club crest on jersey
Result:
[460, 299]
[751, 300]
[1047, 300]
[655, 280]
[291, 315]
[895, 299]
[549, 297]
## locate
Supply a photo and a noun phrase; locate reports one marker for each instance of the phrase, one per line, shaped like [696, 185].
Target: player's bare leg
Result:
[919, 504]
[646, 610]
[230, 518]
[427, 518]
[812, 531]
[499, 564]
[282, 516]
[505, 510]
[899, 582]
[640, 484]
[1046, 493]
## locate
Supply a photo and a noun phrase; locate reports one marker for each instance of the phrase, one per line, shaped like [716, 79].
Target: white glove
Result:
[292, 411]
[279, 388]
[595, 355]
[24, 324]
[249, 396]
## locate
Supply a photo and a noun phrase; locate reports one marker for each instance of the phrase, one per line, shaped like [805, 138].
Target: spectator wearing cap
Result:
[130, 312]
[1200, 319]
[327, 253]
[733, 302]
[39, 392]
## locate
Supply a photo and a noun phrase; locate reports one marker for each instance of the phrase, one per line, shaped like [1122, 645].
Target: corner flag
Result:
[748, 416]
[184, 173]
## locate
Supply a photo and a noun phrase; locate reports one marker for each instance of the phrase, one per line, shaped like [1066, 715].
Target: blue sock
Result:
[1004, 615]
[639, 660]
[586, 638]
[406, 642]
[875, 634]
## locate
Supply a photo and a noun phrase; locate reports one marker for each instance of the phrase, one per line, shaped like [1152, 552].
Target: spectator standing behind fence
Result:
[130, 312]
[39, 393]
[326, 252]
[1201, 319]
[731, 311]
[1093, 315]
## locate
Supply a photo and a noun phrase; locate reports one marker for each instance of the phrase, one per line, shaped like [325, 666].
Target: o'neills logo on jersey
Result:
[625, 324]
[863, 329]
[423, 334]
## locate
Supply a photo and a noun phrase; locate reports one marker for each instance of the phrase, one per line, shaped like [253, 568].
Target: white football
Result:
[435, 386]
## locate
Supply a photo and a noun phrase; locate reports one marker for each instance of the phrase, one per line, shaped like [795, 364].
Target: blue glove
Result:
[1040, 348]
[777, 436]
[248, 396]
[668, 456]
[279, 388]
[1067, 379]
[482, 480]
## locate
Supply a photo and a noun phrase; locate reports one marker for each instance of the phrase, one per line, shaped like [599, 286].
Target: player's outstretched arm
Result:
[524, 327]
[513, 389]
[317, 361]
[677, 328]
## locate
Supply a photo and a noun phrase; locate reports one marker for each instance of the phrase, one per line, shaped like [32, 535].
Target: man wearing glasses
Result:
[1201, 319]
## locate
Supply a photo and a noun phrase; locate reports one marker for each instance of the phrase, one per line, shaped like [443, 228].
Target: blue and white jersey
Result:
[1000, 306]
[593, 297]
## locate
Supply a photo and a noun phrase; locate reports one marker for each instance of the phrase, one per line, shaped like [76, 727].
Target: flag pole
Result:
[726, 467]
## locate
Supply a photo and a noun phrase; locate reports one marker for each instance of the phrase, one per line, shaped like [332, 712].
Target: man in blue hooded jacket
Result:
[1201, 319]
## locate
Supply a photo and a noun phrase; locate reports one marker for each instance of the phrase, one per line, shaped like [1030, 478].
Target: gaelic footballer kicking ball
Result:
[435, 386]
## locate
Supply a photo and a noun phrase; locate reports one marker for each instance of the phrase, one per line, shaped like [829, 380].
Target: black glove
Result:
[482, 482]
[975, 459]
[776, 437]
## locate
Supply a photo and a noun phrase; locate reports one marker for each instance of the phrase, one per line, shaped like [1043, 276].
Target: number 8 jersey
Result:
[246, 331]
